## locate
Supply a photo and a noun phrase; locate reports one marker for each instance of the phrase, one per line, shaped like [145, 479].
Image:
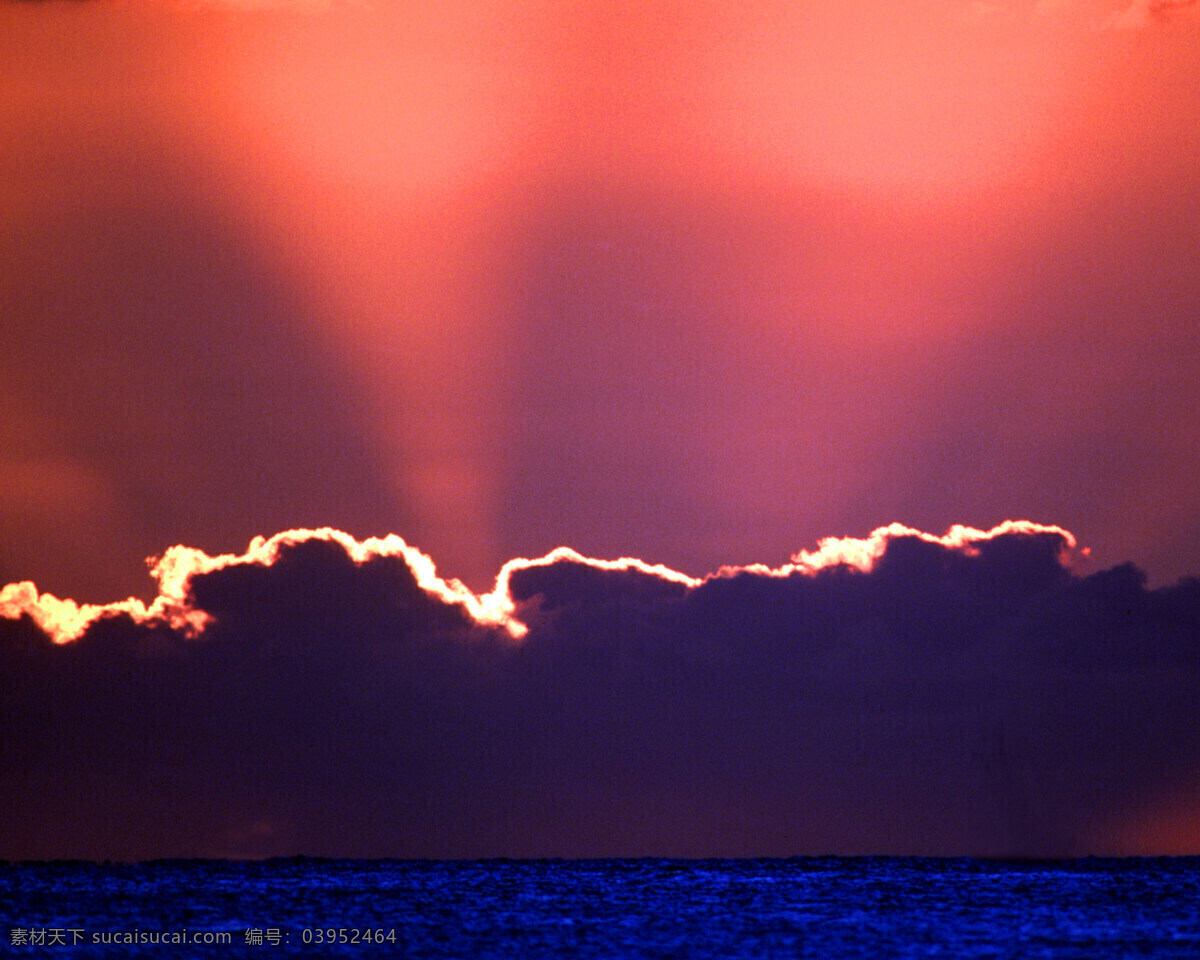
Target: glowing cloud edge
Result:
[64, 620]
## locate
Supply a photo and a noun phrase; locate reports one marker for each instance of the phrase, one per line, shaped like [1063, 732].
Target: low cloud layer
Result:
[901, 693]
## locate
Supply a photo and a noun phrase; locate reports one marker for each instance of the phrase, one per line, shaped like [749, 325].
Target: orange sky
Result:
[567, 263]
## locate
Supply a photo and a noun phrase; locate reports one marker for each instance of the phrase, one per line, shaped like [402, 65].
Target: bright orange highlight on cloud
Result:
[65, 620]
[863, 552]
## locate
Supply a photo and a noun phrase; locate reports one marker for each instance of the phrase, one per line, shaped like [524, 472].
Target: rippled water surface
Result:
[827, 908]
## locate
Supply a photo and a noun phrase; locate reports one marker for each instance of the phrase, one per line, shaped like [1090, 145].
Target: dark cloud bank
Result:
[949, 700]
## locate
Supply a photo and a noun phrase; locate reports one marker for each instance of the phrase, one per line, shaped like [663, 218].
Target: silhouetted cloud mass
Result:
[902, 693]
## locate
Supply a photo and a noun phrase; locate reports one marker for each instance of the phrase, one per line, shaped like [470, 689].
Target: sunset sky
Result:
[697, 283]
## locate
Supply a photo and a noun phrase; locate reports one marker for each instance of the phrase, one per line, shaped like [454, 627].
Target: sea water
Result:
[808, 907]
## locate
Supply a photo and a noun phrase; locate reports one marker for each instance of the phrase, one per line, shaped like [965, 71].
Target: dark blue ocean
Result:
[810, 907]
